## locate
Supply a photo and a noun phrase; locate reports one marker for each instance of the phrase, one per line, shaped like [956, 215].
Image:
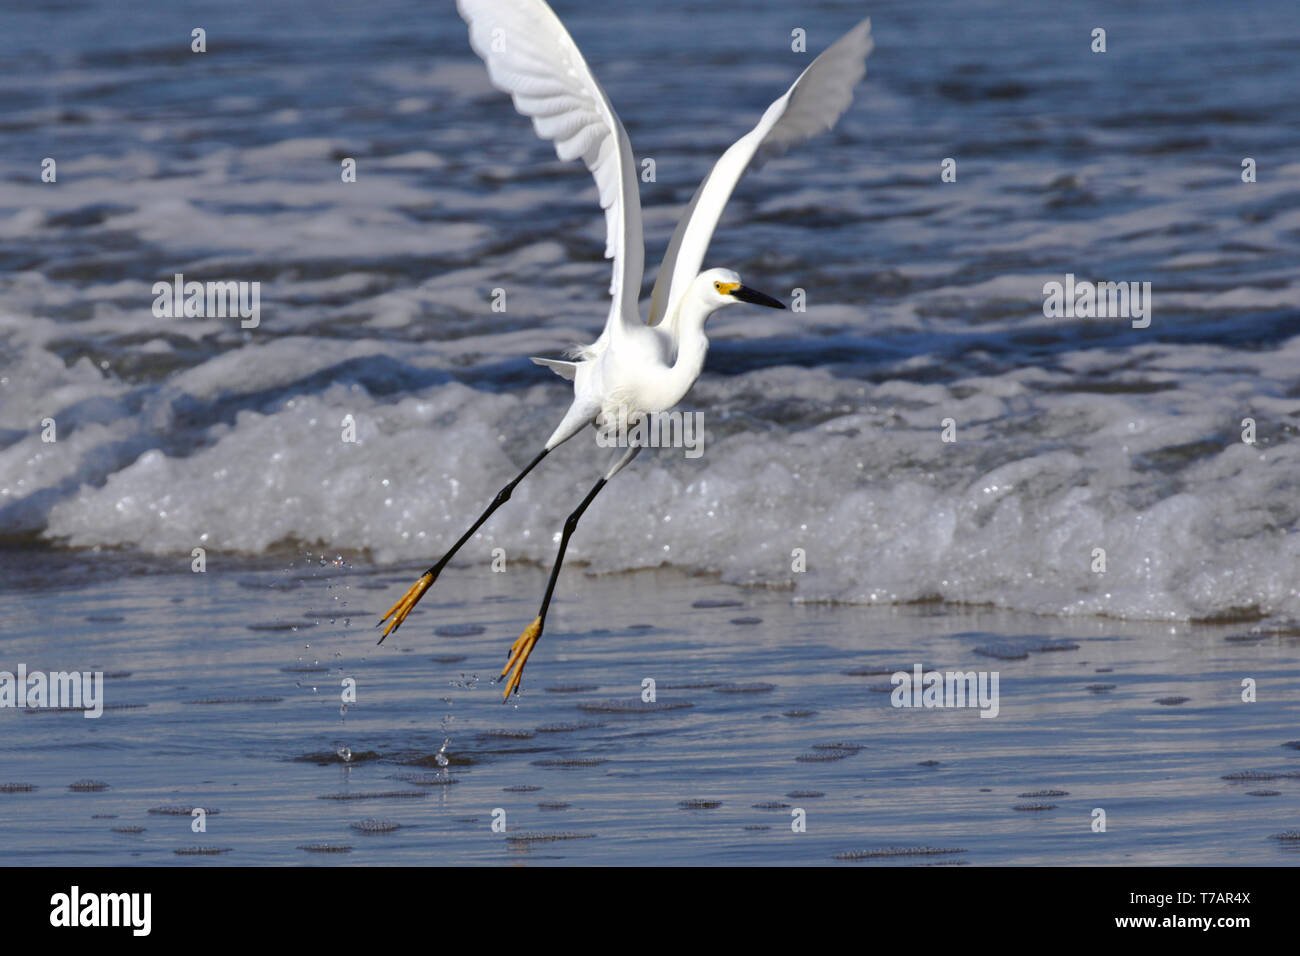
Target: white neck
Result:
[690, 340]
[690, 346]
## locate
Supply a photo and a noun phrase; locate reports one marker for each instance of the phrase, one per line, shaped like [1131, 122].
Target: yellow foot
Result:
[403, 607]
[519, 652]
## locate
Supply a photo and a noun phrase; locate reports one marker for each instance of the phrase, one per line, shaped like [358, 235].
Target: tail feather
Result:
[558, 366]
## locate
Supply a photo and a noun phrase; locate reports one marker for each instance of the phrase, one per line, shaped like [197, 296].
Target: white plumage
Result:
[635, 367]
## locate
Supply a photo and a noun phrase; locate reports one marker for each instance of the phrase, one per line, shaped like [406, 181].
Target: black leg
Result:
[402, 608]
[528, 639]
[502, 497]
[570, 523]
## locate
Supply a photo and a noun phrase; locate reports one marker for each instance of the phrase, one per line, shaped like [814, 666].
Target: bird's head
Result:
[718, 288]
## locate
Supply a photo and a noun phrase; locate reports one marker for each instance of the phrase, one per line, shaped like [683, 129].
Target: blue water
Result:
[925, 298]
[925, 304]
[224, 691]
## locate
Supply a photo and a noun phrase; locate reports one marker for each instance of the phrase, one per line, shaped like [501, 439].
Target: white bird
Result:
[635, 367]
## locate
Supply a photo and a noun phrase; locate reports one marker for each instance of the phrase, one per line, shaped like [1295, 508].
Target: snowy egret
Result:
[635, 367]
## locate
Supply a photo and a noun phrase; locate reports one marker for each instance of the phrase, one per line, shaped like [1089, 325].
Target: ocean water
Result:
[224, 691]
[826, 492]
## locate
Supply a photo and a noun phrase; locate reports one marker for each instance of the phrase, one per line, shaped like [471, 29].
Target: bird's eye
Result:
[718, 286]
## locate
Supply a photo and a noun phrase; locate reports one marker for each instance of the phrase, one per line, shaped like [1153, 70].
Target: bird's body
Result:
[637, 366]
[647, 368]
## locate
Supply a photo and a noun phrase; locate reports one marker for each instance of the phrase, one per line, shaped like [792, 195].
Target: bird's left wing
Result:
[531, 56]
[813, 104]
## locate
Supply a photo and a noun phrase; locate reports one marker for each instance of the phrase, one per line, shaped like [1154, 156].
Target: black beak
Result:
[746, 294]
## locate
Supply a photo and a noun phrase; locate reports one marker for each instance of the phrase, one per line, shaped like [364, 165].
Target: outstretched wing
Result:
[814, 103]
[531, 56]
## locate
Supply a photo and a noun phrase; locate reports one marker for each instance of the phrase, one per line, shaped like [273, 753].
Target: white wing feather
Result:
[813, 104]
[531, 56]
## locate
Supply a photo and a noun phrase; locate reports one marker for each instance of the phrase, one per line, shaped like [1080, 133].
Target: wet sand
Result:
[223, 691]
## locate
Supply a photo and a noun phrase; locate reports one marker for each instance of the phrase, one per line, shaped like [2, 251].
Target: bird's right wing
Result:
[531, 56]
[813, 104]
